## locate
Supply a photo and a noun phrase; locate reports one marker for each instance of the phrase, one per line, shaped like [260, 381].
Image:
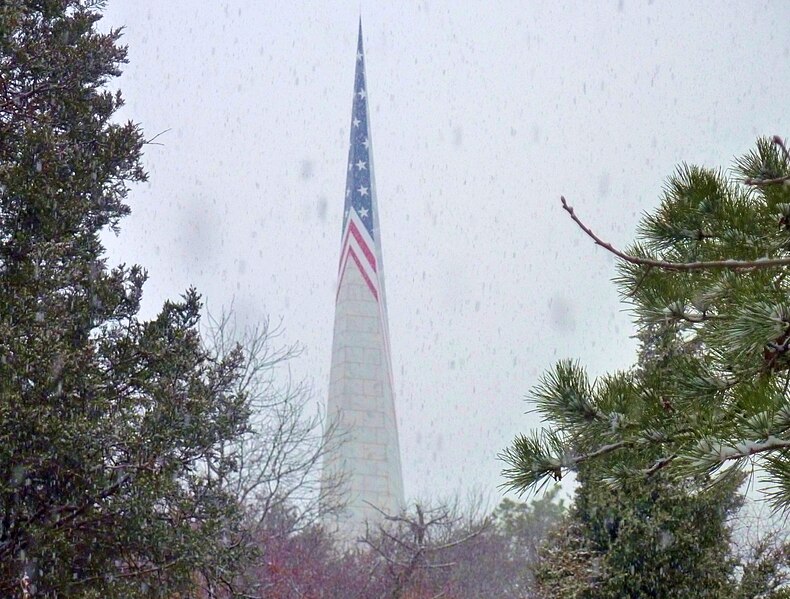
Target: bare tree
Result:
[427, 552]
[279, 459]
[761, 548]
[277, 474]
[418, 550]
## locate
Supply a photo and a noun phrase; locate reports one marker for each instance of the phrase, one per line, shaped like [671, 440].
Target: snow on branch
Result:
[602, 450]
[774, 181]
[748, 448]
[679, 266]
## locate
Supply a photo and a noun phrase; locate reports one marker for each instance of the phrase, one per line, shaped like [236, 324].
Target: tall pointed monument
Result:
[361, 402]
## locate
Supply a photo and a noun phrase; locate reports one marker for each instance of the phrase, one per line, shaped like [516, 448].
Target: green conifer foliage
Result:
[109, 425]
[649, 538]
[707, 283]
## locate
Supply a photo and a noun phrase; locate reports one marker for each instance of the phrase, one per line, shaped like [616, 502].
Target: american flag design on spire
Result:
[359, 218]
[360, 402]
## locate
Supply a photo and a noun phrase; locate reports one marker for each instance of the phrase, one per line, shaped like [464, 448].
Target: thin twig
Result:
[151, 141]
[658, 465]
[680, 266]
[780, 142]
[641, 280]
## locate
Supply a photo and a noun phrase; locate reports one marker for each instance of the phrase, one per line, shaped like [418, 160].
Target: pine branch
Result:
[781, 180]
[724, 453]
[677, 266]
[773, 181]
[532, 462]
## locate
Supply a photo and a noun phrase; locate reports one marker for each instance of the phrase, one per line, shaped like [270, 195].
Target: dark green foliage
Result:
[658, 539]
[109, 426]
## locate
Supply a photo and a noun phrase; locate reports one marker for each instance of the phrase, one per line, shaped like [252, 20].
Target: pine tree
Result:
[651, 538]
[707, 283]
[109, 425]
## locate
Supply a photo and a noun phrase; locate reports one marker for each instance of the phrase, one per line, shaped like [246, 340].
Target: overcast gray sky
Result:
[481, 117]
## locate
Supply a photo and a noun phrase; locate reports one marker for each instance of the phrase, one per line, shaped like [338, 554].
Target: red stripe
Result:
[365, 249]
[365, 276]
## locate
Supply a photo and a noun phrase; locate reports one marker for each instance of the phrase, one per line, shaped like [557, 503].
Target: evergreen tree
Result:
[650, 536]
[647, 539]
[707, 282]
[109, 426]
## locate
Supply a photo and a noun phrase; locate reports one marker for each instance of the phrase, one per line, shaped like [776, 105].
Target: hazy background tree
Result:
[280, 454]
[415, 547]
[523, 527]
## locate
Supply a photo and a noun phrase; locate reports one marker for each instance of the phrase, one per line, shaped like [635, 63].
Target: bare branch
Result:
[765, 182]
[780, 142]
[413, 543]
[152, 140]
[679, 266]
